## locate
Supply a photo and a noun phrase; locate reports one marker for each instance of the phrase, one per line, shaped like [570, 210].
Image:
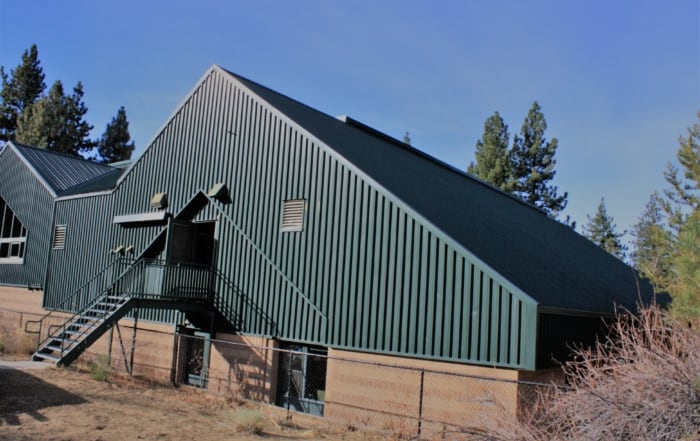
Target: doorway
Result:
[191, 243]
[196, 351]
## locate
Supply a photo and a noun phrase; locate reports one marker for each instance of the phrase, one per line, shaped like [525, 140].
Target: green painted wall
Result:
[366, 272]
[33, 205]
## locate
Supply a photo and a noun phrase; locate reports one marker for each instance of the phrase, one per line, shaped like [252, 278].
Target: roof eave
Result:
[34, 171]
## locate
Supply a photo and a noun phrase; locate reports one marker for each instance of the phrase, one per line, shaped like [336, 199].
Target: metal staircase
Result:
[110, 295]
[67, 341]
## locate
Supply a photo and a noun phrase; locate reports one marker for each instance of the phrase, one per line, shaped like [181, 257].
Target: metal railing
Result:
[87, 293]
[141, 279]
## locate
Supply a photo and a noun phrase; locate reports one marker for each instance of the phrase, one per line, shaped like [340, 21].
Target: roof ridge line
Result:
[62, 154]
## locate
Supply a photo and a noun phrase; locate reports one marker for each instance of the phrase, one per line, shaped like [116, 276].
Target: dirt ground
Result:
[65, 404]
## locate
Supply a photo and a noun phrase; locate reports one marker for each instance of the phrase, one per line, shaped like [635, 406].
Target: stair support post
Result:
[133, 337]
[109, 345]
[121, 343]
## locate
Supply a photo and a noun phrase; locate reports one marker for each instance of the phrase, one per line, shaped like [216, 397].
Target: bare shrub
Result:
[642, 383]
[251, 421]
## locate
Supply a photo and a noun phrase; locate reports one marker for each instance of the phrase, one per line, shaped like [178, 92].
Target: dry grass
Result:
[16, 341]
[250, 421]
[643, 383]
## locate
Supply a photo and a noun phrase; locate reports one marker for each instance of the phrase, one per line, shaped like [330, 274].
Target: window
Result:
[59, 237]
[293, 215]
[301, 382]
[13, 236]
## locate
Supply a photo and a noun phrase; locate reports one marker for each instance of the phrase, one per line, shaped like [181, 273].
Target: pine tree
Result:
[684, 194]
[601, 230]
[115, 143]
[685, 281]
[532, 165]
[77, 138]
[492, 164]
[56, 122]
[22, 88]
[652, 244]
[683, 213]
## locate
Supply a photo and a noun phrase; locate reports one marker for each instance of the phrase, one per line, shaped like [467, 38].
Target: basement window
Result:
[59, 237]
[13, 236]
[293, 215]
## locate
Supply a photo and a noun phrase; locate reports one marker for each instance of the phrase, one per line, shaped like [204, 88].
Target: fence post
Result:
[109, 346]
[420, 402]
[173, 367]
[289, 382]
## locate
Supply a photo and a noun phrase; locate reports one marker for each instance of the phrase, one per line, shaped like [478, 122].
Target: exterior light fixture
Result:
[159, 201]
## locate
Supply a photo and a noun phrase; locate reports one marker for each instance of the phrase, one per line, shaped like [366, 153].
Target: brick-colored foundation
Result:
[244, 367]
[382, 391]
[385, 391]
[17, 306]
[152, 354]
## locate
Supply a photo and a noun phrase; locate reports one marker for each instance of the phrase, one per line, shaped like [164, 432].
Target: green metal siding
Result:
[382, 277]
[86, 250]
[33, 205]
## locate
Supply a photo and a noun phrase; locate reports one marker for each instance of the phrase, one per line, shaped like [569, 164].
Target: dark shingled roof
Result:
[60, 171]
[547, 260]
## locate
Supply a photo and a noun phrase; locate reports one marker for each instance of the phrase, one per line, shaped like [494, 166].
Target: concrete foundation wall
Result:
[17, 306]
[402, 395]
[152, 354]
[399, 393]
[21, 301]
[245, 369]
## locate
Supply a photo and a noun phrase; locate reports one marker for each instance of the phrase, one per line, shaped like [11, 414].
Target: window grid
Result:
[13, 236]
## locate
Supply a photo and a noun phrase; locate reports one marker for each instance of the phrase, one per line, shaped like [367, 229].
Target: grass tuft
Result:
[250, 421]
[100, 370]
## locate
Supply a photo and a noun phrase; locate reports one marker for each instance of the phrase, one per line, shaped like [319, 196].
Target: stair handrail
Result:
[223, 214]
[56, 330]
[64, 306]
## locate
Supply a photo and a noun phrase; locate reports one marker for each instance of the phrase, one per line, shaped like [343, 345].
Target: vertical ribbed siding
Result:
[383, 278]
[85, 251]
[32, 204]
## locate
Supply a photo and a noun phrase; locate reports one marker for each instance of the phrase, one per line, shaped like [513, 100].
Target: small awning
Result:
[140, 218]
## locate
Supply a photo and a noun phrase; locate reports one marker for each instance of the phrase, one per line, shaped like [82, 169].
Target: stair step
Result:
[105, 307]
[61, 338]
[79, 329]
[86, 320]
[68, 340]
[91, 314]
[45, 356]
[58, 349]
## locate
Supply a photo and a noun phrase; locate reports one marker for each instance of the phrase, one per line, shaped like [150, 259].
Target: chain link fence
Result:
[408, 401]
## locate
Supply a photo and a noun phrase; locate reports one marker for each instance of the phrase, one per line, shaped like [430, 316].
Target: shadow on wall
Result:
[15, 401]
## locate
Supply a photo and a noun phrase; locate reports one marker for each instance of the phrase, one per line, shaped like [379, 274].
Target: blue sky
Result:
[618, 81]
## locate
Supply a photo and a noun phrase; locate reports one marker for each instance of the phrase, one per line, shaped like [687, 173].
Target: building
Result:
[31, 181]
[254, 217]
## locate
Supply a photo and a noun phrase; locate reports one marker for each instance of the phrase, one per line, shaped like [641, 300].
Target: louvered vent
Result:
[293, 215]
[59, 237]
